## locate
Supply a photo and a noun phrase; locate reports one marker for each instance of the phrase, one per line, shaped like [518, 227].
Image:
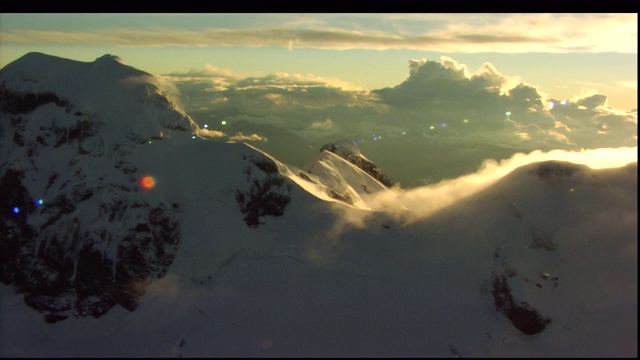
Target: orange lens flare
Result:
[148, 182]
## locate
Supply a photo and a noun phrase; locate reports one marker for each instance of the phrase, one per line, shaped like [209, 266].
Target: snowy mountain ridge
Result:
[78, 140]
[75, 222]
[105, 87]
[110, 197]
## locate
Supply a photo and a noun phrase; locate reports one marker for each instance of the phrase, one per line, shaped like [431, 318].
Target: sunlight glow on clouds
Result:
[242, 137]
[602, 45]
[286, 80]
[216, 134]
[509, 33]
[629, 84]
[444, 119]
[412, 205]
[327, 124]
[211, 71]
[424, 201]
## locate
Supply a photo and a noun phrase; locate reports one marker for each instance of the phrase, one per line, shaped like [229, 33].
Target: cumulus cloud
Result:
[449, 94]
[243, 137]
[211, 134]
[292, 100]
[592, 102]
[210, 71]
[327, 124]
[221, 135]
[466, 33]
[441, 122]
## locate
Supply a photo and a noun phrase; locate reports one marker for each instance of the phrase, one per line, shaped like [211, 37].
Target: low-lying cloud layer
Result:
[443, 121]
[425, 200]
[411, 205]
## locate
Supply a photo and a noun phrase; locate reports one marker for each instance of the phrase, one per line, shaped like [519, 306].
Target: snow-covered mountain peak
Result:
[51, 73]
[350, 152]
[341, 173]
[343, 148]
[75, 216]
[99, 173]
[108, 58]
[105, 90]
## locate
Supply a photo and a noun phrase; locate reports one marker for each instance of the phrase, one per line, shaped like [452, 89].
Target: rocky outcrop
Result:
[268, 194]
[66, 263]
[21, 103]
[349, 152]
[554, 172]
[521, 314]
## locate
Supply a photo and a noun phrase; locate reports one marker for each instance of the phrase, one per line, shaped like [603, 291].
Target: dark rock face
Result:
[22, 103]
[553, 172]
[63, 270]
[522, 315]
[92, 242]
[345, 198]
[359, 161]
[13, 225]
[542, 241]
[268, 194]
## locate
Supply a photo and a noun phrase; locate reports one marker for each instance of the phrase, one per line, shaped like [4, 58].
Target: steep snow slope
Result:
[552, 242]
[343, 175]
[303, 286]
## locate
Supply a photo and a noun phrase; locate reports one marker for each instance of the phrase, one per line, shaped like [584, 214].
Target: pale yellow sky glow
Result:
[557, 52]
[517, 33]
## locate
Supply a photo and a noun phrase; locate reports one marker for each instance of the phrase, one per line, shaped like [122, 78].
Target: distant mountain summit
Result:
[350, 152]
[343, 174]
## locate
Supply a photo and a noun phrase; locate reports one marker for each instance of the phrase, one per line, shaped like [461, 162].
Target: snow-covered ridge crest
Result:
[341, 174]
[105, 86]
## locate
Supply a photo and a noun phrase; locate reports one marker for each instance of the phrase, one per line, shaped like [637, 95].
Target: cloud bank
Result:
[443, 121]
[426, 200]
